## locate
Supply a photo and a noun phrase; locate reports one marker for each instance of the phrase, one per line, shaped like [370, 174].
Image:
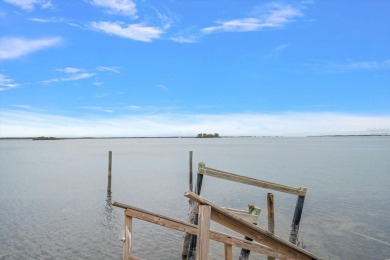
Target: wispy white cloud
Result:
[73, 74]
[366, 65]
[137, 32]
[275, 52]
[96, 108]
[13, 47]
[47, 20]
[350, 66]
[71, 70]
[30, 5]
[18, 123]
[185, 39]
[7, 83]
[271, 16]
[162, 87]
[122, 7]
[22, 106]
[109, 69]
[72, 77]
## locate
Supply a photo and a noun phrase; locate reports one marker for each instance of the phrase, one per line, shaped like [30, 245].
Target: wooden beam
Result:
[258, 234]
[252, 181]
[203, 233]
[192, 229]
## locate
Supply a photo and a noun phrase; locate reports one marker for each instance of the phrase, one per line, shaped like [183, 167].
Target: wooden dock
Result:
[265, 242]
[197, 229]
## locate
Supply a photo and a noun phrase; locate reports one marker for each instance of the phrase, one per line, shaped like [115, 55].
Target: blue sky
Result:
[162, 68]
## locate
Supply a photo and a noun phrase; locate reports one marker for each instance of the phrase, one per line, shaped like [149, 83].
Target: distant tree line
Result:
[204, 135]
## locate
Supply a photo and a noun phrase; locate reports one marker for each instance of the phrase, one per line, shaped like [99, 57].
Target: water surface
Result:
[54, 204]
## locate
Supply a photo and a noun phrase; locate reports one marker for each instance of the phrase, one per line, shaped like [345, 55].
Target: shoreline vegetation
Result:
[42, 138]
[203, 135]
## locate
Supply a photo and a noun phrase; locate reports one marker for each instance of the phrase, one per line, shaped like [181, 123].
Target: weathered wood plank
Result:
[228, 252]
[203, 233]
[192, 229]
[258, 234]
[251, 218]
[252, 181]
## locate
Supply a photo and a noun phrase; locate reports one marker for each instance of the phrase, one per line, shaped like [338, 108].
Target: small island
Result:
[203, 135]
[45, 138]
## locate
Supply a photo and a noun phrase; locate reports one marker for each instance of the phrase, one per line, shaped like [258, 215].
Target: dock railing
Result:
[265, 242]
[299, 192]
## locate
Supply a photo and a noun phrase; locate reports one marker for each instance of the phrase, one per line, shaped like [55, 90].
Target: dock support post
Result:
[202, 249]
[109, 171]
[271, 217]
[244, 254]
[127, 246]
[191, 214]
[190, 172]
[198, 188]
[228, 252]
[296, 220]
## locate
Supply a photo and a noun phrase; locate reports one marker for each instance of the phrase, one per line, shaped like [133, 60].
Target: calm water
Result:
[54, 205]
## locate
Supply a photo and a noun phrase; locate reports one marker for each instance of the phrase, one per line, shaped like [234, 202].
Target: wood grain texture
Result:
[252, 181]
[203, 233]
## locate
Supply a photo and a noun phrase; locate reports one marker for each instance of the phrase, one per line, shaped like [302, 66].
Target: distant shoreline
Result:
[178, 137]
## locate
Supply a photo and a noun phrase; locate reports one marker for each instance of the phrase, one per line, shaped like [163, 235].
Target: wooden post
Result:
[202, 249]
[296, 220]
[244, 254]
[127, 246]
[228, 252]
[190, 173]
[191, 214]
[198, 188]
[109, 171]
[271, 217]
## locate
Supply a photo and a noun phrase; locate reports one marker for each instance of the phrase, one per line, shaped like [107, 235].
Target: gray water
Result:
[54, 204]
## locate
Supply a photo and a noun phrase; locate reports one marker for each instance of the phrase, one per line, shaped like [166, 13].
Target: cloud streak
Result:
[137, 32]
[274, 16]
[14, 47]
[366, 65]
[29, 5]
[7, 83]
[73, 74]
[17, 123]
[121, 7]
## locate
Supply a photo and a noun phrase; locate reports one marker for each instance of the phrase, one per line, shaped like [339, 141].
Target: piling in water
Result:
[296, 220]
[191, 212]
[109, 171]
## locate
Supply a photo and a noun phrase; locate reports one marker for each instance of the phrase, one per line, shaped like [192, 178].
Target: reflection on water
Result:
[109, 219]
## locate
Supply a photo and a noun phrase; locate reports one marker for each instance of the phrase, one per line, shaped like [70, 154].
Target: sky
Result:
[124, 68]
